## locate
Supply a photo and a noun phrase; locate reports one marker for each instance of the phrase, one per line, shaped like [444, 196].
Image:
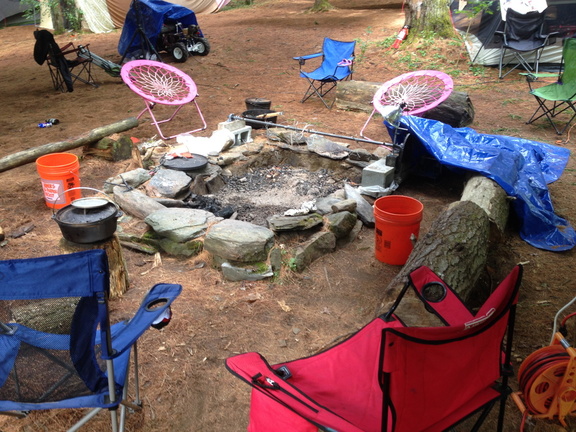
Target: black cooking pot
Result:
[261, 115]
[88, 220]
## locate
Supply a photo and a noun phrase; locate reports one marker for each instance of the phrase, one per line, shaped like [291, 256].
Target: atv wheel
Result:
[200, 47]
[179, 52]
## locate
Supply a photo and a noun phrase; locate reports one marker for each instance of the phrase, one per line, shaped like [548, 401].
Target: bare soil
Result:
[186, 386]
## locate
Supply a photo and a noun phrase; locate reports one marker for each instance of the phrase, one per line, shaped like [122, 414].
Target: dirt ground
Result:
[186, 386]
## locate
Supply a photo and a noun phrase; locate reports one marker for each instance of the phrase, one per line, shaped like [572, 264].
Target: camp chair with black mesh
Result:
[392, 377]
[57, 346]
[337, 65]
[67, 64]
[523, 36]
[558, 97]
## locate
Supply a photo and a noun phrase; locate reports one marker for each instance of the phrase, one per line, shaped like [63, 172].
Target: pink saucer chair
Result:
[161, 84]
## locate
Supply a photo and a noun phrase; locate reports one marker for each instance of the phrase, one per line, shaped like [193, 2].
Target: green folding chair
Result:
[554, 99]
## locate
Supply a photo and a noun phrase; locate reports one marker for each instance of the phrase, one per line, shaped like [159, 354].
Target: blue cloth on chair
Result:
[57, 347]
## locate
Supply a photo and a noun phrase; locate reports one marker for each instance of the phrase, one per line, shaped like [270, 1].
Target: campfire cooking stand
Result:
[394, 159]
[271, 124]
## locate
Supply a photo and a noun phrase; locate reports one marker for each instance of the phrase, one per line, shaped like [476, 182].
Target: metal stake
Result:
[351, 138]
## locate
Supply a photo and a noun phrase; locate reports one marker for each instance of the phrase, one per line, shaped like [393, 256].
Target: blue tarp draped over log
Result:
[521, 167]
[150, 14]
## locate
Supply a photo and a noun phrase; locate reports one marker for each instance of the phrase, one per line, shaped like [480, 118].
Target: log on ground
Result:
[30, 155]
[119, 279]
[457, 110]
[457, 247]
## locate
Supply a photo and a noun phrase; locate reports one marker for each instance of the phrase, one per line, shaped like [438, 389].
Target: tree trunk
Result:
[456, 247]
[30, 155]
[321, 6]
[119, 279]
[427, 17]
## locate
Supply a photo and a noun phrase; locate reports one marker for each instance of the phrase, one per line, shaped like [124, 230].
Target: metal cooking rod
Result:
[235, 117]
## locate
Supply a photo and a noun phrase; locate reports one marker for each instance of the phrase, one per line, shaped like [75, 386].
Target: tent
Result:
[10, 8]
[119, 8]
[11, 12]
[483, 44]
[151, 15]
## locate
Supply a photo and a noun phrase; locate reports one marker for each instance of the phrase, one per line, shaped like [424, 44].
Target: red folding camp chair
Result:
[390, 377]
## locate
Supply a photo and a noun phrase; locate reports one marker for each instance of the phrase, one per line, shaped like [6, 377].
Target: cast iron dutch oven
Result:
[264, 115]
[88, 220]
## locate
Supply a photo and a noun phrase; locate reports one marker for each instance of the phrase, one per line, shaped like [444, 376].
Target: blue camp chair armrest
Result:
[126, 333]
[308, 57]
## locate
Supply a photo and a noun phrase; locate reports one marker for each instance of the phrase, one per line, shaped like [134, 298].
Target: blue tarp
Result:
[153, 13]
[523, 168]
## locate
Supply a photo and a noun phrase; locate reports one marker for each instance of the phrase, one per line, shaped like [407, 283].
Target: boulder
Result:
[239, 241]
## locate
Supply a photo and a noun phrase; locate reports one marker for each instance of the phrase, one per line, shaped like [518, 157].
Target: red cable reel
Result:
[547, 382]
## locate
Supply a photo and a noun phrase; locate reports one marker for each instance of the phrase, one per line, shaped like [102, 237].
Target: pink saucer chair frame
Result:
[160, 83]
[415, 92]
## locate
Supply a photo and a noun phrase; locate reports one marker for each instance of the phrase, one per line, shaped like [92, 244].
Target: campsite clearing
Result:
[186, 387]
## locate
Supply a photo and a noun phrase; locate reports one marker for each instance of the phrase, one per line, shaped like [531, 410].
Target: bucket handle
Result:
[88, 188]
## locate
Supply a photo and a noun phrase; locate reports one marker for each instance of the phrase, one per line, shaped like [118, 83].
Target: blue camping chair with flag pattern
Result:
[337, 65]
[57, 347]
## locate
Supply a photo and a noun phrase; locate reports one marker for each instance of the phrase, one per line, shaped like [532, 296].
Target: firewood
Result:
[112, 149]
[119, 281]
[456, 247]
[457, 110]
[30, 155]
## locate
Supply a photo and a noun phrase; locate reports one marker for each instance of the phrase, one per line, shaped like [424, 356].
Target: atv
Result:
[182, 42]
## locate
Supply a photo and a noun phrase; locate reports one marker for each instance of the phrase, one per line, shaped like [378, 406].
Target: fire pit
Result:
[265, 191]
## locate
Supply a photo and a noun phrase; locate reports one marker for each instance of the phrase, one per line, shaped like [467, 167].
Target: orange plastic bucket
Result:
[397, 219]
[58, 173]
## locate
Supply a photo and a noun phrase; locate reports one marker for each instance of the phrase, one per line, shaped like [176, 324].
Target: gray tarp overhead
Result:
[9, 8]
[119, 8]
[484, 46]
[104, 15]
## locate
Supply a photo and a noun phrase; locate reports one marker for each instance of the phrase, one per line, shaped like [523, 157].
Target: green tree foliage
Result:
[65, 14]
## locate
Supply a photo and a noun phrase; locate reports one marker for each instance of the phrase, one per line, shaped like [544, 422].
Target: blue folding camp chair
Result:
[57, 347]
[337, 65]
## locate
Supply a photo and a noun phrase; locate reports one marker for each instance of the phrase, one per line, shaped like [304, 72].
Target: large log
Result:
[456, 247]
[356, 95]
[30, 155]
[457, 110]
[490, 197]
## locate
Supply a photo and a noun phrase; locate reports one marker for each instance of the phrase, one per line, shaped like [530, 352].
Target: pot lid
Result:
[75, 216]
[196, 162]
[90, 203]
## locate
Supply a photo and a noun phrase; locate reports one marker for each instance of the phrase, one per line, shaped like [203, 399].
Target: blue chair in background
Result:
[337, 65]
[57, 346]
